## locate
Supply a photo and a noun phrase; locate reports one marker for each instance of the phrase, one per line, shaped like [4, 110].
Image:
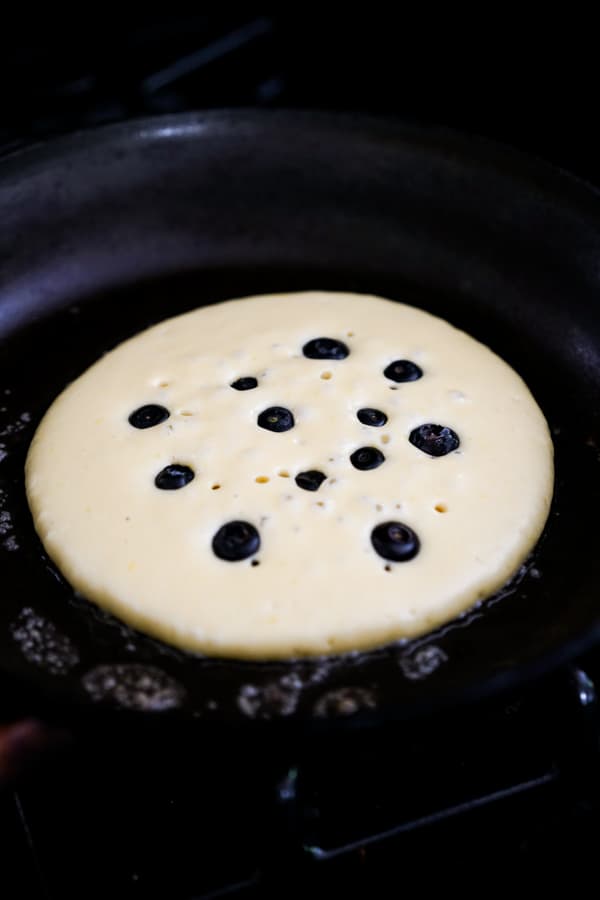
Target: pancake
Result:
[290, 475]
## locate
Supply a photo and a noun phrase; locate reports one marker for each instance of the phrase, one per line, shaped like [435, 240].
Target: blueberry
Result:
[325, 348]
[436, 440]
[395, 541]
[276, 418]
[311, 480]
[403, 370]
[173, 477]
[373, 417]
[245, 384]
[148, 416]
[367, 458]
[235, 541]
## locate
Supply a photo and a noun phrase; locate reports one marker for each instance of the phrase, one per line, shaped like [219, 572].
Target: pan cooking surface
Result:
[106, 233]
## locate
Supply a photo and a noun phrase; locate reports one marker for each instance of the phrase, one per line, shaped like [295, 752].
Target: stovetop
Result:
[510, 783]
[534, 89]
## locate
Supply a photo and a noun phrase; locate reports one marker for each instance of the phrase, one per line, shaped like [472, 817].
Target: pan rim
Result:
[192, 122]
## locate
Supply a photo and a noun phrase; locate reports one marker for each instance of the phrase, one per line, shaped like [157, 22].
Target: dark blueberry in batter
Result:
[311, 480]
[171, 478]
[148, 416]
[276, 418]
[436, 440]
[395, 541]
[236, 540]
[325, 348]
[367, 458]
[373, 417]
[245, 384]
[403, 370]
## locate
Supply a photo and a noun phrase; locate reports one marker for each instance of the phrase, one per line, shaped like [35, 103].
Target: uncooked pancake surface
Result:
[140, 467]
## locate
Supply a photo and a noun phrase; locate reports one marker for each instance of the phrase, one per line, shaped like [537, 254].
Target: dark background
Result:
[532, 83]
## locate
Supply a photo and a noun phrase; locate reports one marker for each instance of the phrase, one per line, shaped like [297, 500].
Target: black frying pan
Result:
[104, 233]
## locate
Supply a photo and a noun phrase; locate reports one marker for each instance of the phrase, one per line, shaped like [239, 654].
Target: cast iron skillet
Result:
[104, 233]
